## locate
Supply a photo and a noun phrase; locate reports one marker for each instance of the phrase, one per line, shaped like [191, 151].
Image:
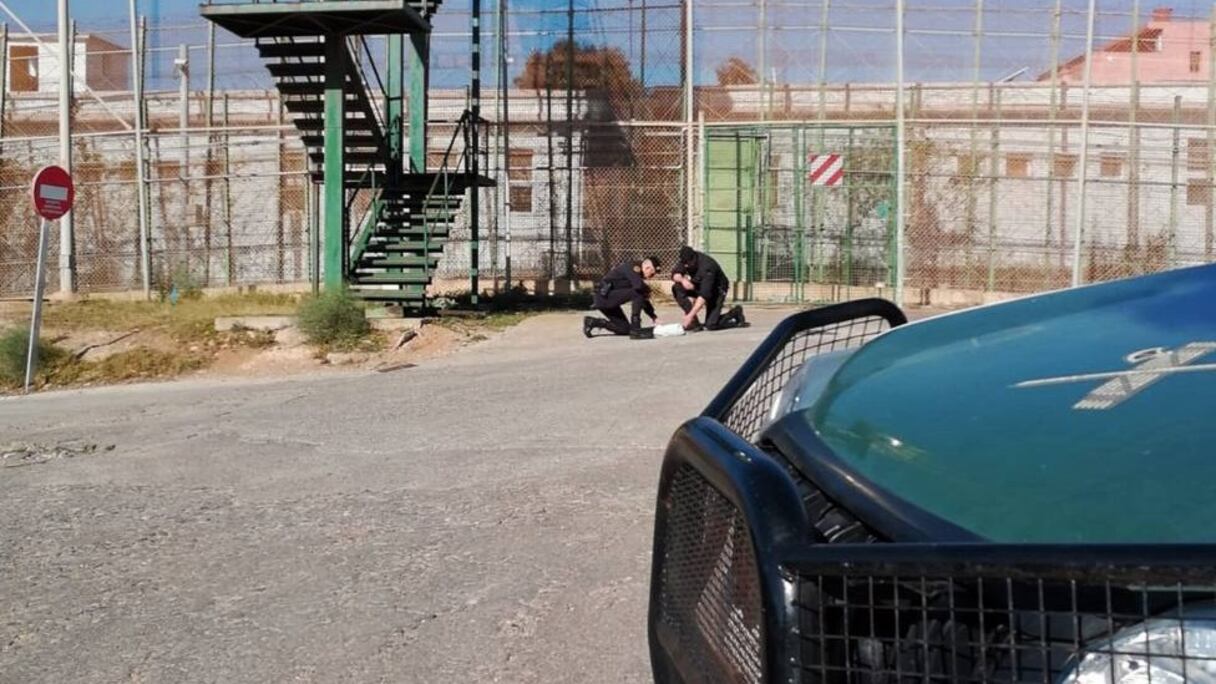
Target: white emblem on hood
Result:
[1148, 366]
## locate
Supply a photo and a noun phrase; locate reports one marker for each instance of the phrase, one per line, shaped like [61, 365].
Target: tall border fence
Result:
[1008, 147]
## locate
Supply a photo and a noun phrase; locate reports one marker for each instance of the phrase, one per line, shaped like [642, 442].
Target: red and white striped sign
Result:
[826, 170]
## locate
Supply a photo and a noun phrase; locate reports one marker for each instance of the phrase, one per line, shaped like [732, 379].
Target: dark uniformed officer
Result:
[701, 285]
[625, 284]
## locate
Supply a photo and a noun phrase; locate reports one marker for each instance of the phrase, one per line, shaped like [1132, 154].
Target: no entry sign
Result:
[53, 193]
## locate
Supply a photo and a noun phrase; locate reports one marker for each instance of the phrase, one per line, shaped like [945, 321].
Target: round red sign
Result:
[53, 193]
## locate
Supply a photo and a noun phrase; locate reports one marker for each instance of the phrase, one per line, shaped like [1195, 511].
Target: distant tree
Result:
[735, 71]
[595, 68]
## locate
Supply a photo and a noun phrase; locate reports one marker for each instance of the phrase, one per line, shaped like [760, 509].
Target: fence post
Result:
[141, 170]
[569, 139]
[994, 170]
[1052, 113]
[847, 275]
[901, 143]
[1133, 151]
[972, 165]
[1083, 181]
[209, 161]
[67, 224]
[1210, 206]
[689, 110]
[231, 259]
[1175, 151]
[799, 146]
[3, 76]
[280, 179]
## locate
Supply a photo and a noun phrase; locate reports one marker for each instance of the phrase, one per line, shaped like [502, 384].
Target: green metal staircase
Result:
[393, 252]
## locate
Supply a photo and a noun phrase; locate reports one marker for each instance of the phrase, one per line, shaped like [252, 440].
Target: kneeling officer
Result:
[625, 284]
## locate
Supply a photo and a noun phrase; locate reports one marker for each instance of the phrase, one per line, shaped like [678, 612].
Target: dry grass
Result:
[136, 364]
[189, 318]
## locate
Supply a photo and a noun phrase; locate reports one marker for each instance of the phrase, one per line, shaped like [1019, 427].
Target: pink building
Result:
[1168, 51]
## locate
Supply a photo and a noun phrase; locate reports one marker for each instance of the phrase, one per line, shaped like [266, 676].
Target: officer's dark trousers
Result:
[713, 307]
[611, 306]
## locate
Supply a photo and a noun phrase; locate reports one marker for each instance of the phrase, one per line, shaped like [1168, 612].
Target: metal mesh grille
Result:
[747, 416]
[710, 587]
[1002, 626]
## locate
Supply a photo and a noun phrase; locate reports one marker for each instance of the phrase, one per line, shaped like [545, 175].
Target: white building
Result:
[33, 64]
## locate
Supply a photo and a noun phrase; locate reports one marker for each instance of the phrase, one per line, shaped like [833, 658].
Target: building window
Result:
[1198, 192]
[1064, 165]
[168, 170]
[1195, 57]
[1111, 166]
[1017, 165]
[519, 170]
[521, 198]
[968, 166]
[1197, 154]
[23, 68]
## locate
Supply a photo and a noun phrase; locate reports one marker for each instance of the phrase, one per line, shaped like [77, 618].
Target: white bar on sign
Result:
[54, 193]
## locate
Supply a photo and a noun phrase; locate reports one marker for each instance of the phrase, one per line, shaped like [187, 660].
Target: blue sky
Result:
[856, 52]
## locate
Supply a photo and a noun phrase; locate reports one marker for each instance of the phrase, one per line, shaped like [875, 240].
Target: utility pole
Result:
[67, 239]
[901, 144]
[505, 123]
[137, 82]
[3, 74]
[182, 67]
[474, 152]
[570, 140]
[1083, 182]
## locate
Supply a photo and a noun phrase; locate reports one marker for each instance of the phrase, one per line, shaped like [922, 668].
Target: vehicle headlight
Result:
[808, 382]
[1161, 650]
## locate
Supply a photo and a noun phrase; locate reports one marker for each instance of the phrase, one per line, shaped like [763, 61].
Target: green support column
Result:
[420, 57]
[395, 103]
[335, 162]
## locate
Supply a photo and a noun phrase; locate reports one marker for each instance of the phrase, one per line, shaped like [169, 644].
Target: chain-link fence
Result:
[619, 128]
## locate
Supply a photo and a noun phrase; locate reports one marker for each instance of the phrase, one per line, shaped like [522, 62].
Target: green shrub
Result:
[333, 319]
[14, 345]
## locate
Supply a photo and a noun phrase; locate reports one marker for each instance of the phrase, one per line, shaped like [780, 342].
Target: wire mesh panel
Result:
[748, 415]
[19, 161]
[710, 607]
[931, 620]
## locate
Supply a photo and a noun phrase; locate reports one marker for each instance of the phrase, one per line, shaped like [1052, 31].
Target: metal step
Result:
[416, 233]
[400, 261]
[297, 70]
[316, 105]
[391, 278]
[353, 158]
[291, 50]
[413, 246]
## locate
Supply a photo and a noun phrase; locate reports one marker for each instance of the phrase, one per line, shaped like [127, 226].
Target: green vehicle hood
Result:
[979, 417]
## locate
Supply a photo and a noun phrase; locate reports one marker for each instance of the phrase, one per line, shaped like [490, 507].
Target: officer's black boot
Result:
[736, 313]
[591, 323]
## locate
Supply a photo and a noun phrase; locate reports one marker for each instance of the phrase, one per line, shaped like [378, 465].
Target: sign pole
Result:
[31, 359]
[52, 194]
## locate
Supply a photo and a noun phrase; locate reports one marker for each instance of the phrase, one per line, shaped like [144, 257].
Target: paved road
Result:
[485, 517]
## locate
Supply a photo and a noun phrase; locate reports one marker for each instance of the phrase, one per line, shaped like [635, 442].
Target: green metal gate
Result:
[774, 233]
